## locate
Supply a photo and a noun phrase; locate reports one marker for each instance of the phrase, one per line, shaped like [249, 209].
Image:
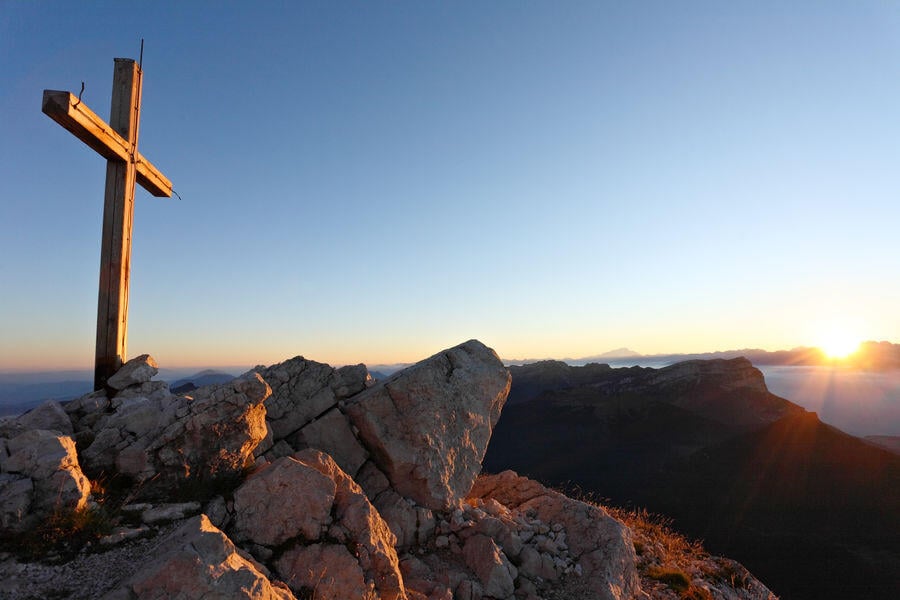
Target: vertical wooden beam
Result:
[118, 214]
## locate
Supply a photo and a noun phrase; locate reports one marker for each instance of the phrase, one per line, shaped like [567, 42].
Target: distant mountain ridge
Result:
[198, 380]
[888, 442]
[871, 355]
[22, 391]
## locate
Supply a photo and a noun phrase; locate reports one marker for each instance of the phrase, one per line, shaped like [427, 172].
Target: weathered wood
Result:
[68, 111]
[117, 142]
[118, 216]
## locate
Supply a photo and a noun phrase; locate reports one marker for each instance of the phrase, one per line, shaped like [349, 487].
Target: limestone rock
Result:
[601, 545]
[89, 403]
[365, 529]
[152, 390]
[136, 371]
[169, 441]
[304, 389]
[428, 426]
[49, 462]
[325, 572]
[331, 433]
[405, 455]
[372, 480]
[495, 573]
[199, 561]
[123, 534]
[50, 416]
[216, 438]
[412, 525]
[16, 493]
[323, 513]
[285, 500]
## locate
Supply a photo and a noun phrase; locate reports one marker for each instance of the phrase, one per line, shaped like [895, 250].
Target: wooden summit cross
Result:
[117, 142]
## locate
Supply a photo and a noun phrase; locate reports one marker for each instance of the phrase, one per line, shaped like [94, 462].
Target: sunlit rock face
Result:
[39, 476]
[197, 560]
[307, 535]
[136, 371]
[428, 426]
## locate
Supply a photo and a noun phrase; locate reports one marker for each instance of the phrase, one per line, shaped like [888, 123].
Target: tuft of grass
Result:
[664, 554]
[655, 538]
[63, 533]
[669, 557]
[676, 579]
[696, 593]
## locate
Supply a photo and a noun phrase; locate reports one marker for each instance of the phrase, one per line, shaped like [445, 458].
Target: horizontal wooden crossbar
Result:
[67, 110]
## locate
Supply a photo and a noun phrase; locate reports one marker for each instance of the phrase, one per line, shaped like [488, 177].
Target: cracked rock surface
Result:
[428, 426]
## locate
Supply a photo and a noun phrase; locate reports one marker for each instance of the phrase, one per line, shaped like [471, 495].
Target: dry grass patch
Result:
[667, 561]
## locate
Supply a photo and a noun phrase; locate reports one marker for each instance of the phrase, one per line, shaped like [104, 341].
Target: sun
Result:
[837, 344]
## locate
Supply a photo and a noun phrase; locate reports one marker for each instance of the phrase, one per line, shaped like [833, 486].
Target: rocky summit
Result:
[299, 481]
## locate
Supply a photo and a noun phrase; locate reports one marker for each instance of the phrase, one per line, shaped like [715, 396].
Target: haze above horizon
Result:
[373, 183]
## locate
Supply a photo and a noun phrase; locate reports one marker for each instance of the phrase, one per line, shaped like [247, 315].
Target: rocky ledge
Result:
[297, 480]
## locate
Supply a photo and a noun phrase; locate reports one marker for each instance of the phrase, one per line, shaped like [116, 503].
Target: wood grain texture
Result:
[87, 126]
[118, 217]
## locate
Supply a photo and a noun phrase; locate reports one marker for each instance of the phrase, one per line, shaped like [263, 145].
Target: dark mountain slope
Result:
[813, 511]
[531, 380]
[614, 445]
[732, 392]
[796, 500]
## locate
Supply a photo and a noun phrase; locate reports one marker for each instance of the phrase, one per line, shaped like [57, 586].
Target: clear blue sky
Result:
[376, 181]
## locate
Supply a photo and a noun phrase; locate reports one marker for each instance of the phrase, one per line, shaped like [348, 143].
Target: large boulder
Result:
[168, 442]
[198, 561]
[306, 510]
[136, 371]
[39, 476]
[302, 390]
[494, 570]
[50, 416]
[428, 426]
[304, 410]
[323, 534]
[325, 572]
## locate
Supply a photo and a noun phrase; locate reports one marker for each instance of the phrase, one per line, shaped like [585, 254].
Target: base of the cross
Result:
[104, 369]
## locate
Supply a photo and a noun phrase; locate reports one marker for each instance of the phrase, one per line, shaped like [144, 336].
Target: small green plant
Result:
[674, 578]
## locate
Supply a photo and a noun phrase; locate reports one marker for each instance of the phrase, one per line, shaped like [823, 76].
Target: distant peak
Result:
[620, 353]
